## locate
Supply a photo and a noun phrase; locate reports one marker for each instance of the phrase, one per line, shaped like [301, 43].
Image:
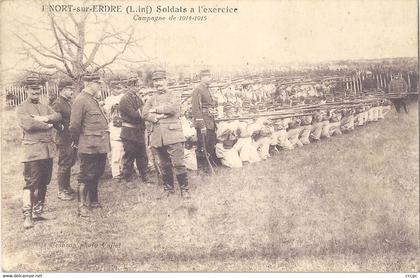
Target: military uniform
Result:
[317, 125]
[347, 121]
[293, 133]
[38, 152]
[66, 153]
[132, 135]
[202, 106]
[335, 123]
[306, 129]
[369, 83]
[89, 130]
[398, 86]
[111, 107]
[166, 137]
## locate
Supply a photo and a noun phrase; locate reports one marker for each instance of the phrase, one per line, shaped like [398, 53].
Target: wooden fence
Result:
[14, 95]
[355, 83]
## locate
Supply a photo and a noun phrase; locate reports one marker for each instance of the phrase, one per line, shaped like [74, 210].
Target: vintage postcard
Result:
[209, 136]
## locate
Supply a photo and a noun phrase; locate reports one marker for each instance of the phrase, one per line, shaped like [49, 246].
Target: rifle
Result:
[156, 165]
[206, 154]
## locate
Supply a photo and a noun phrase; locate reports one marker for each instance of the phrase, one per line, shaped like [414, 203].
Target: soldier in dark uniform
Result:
[132, 134]
[89, 130]
[369, 83]
[36, 120]
[163, 110]
[66, 152]
[202, 112]
[398, 86]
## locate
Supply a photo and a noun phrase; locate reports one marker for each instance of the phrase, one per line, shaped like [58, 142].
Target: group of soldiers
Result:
[256, 139]
[91, 130]
[130, 129]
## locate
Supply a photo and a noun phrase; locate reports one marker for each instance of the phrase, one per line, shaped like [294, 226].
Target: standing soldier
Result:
[369, 83]
[112, 109]
[398, 86]
[89, 130]
[66, 152]
[166, 137]
[132, 133]
[36, 120]
[202, 106]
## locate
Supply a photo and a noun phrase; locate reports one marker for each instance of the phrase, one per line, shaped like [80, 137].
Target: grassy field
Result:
[349, 203]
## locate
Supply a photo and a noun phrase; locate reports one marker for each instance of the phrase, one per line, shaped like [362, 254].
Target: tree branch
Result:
[38, 51]
[96, 47]
[116, 55]
[53, 25]
[63, 33]
[47, 66]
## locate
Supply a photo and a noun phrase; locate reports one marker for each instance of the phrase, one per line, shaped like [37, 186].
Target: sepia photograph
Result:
[209, 136]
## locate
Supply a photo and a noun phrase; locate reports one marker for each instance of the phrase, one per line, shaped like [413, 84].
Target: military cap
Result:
[117, 83]
[205, 72]
[91, 77]
[132, 80]
[159, 74]
[33, 82]
[65, 83]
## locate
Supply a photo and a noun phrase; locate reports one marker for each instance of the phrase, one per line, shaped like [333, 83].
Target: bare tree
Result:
[75, 44]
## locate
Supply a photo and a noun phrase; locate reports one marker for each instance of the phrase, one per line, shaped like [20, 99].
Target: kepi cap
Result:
[65, 83]
[159, 74]
[205, 72]
[33, 82]
[91, 77]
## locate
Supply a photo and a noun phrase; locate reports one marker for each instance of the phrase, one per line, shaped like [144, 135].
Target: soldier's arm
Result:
[147, 115]
[53, 116]
[59, 109]
[196, 105]
[171, 108]
[127, 109]
[76, 117]
[27, 123]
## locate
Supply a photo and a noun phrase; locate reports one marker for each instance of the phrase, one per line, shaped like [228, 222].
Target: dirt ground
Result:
[346, 204]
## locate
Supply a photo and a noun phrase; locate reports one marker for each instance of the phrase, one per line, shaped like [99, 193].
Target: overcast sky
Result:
[275, 31]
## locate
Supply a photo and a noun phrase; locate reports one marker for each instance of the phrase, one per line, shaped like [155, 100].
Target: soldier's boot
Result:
[27, 209]
[82, 209]
[145, 177]
[68, 189]
[168, 186]
[273, 150]
[93, 198]
[64, 190]
[38, 209]
[183, 185]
